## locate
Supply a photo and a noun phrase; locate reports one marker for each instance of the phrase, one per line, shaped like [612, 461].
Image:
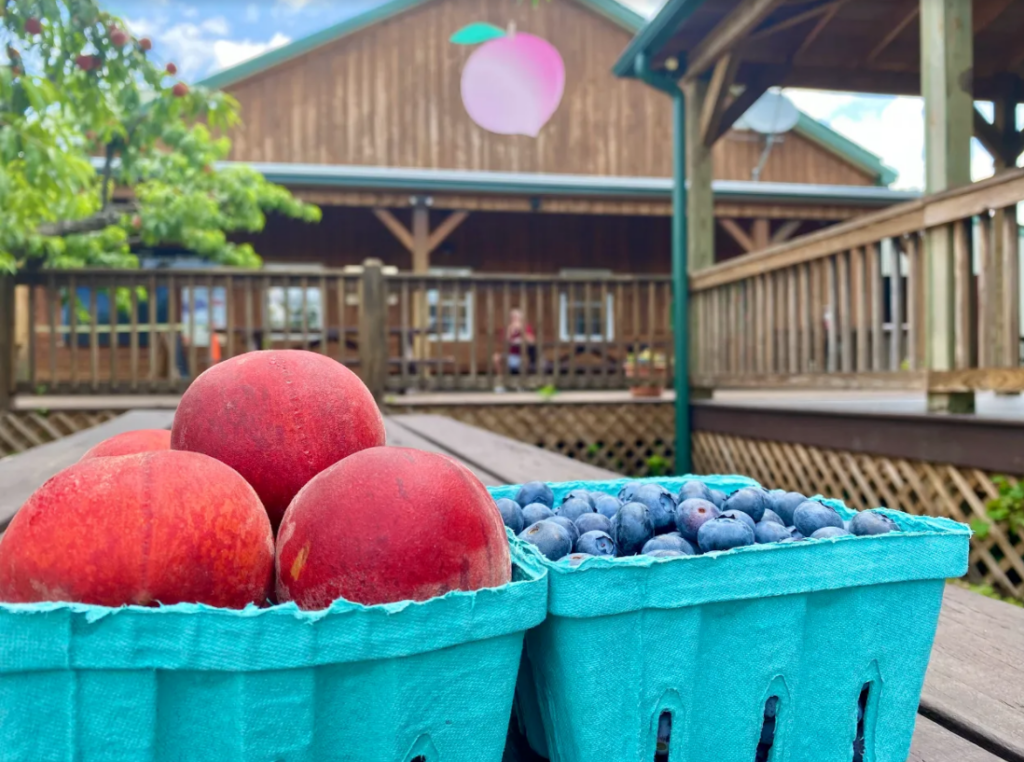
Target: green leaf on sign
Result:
[474, 34]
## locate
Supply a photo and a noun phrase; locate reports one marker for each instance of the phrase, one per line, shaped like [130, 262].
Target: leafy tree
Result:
[85, 113]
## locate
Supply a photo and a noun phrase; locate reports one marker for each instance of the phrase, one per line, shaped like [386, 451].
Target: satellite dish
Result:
[772, 114]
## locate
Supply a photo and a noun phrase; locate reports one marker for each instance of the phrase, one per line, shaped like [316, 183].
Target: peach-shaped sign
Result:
[513, 83]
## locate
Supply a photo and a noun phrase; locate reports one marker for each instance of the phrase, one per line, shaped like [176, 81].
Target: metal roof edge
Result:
[839, 144]
[617, 13]
[303, 45]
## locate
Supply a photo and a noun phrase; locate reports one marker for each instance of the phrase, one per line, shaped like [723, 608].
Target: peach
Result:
[390, 524]
[278, 417]
[157, 527]
[131, 443]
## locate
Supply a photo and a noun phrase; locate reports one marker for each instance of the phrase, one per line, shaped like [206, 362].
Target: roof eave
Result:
[299, 47]
[655, 34]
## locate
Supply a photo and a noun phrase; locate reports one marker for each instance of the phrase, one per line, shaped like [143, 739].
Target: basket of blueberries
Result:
[708, 618]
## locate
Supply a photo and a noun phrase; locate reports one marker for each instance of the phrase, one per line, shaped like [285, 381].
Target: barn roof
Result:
[613, 10]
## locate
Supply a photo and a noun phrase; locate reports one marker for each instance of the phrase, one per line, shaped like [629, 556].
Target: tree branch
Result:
[107, 167]
[98, 221]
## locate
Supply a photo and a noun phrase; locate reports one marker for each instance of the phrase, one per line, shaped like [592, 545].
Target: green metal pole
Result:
[680, 265]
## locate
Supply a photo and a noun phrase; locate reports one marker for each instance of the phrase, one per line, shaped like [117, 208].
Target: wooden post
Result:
[947, 58]
[700, 207]
[7, 347]
[373, 328]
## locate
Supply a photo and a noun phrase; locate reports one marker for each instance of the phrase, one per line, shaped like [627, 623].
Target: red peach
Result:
[118, 37]
[131, 443]
[157, 527]
[172, 69]
[180, 90]
[278, 417]
[390, 524]
[33, 25]
[146, 44]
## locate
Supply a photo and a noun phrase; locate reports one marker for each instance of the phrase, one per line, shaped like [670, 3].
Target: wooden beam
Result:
[420, 239]
[732, 227]
[813, 35]
[398, 230]
[713, 109]
[986, 15]
[786, 231]
[793, 21]
[739, 105]
[988, 135]
[445, 229]
[761, 233]
[700, 202]
[725, 36]
[895, 26]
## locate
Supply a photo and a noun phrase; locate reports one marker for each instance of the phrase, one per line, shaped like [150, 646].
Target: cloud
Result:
[228, 53]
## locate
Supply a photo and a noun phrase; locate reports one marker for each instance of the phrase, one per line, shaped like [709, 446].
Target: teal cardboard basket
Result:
[710, 638]
[431, 681]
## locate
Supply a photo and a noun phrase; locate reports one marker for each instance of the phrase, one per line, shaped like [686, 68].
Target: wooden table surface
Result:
[972, 706]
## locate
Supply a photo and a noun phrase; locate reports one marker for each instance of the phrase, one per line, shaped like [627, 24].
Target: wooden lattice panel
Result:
[869, 481]
[621, 437]
[22, 430]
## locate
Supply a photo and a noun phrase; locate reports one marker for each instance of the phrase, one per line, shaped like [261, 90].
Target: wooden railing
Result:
[151, 331]
[849, 306]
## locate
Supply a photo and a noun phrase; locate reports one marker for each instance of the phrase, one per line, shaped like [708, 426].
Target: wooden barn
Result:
[374, 119]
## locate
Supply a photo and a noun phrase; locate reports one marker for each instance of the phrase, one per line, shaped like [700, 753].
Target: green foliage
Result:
[548, 392]
[988, 591]
[657, 465]
[76, 87]
[1007, 508]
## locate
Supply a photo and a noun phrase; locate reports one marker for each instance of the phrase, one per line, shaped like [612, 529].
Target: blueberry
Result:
[667, 542]
[569, 527]
[753, 501]
[631, 528]
[724, 534]
[770, 515]
[740, 516]
[661, 504]
[825, 532]
[593, 522]
[691, 514]
[812, 516]
[579, 494]
[511, 514]
[628, 490]
[607, 505]
[535, 512]
[551, 539]
[666, 554]
[535, 492]
[575, 559]
[795, 533]
[718, 498]
[786, 504]
[575, 507]
[871, 522]
[596, 544]
[694, 488]
[769, 531]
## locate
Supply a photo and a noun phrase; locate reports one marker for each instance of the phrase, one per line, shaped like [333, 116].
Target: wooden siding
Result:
[390, 96]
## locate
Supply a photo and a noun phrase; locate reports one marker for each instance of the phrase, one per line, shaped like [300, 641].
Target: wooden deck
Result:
[972, 706]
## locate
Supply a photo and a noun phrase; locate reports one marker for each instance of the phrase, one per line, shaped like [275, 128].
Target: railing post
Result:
[7, 344]
[373, 328]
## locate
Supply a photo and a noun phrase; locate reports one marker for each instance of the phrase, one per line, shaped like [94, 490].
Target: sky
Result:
[204, 36]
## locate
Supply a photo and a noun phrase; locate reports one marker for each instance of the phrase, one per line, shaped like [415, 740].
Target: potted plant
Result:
[646, 372]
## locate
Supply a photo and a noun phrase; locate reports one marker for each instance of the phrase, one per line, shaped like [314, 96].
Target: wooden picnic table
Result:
[972, 705]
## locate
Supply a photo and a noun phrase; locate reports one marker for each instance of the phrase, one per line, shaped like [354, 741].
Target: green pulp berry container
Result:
[709, 639]
[188, 683]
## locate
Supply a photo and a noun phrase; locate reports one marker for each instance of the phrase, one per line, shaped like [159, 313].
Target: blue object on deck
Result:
[186, 682]
[711, 638]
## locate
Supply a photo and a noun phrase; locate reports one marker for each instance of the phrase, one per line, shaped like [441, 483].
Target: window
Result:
[203, 311]
[289, 306]
[451, 309]
[582, 320]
